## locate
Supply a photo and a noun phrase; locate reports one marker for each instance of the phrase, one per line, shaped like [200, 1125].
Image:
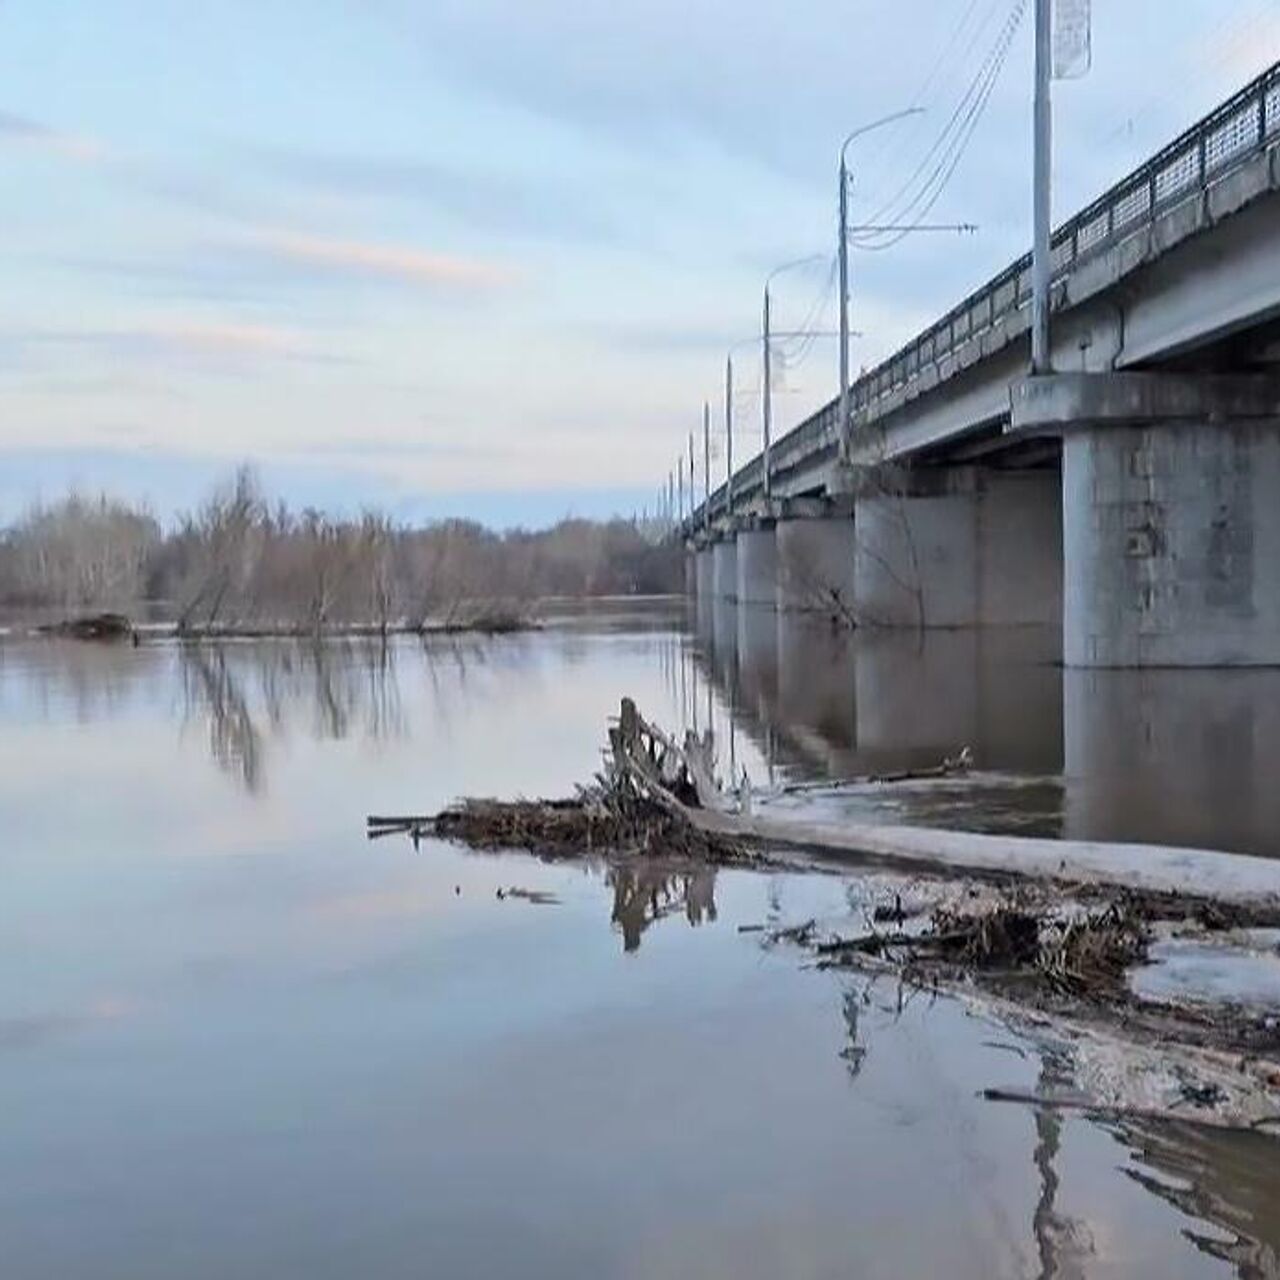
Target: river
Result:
[239, 1040]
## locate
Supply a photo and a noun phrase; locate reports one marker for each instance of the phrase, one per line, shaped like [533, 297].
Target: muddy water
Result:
[237, 1040]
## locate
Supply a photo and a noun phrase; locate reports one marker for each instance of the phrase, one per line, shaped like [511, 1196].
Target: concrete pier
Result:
[962, 547]
[1171, 529]
[757, 566]
[705, 573]
[724, 576]
[815, 556]
[1172, 546]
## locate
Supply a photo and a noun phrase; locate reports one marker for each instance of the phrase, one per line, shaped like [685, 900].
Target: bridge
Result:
[1132, 497]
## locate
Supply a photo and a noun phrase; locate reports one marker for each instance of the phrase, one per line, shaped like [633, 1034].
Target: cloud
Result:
[540, 206]
[21, 131]
[209, 347]
[386, 261]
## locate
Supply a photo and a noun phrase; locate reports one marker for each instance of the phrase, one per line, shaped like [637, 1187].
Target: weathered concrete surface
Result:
[757, 567]
[1171, 545]
[816, 565]
[1064, 401]
[984, 548]
[705, 573]
[724, 575]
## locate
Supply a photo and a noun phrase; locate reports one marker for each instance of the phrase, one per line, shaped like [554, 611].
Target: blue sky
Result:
[484, 257]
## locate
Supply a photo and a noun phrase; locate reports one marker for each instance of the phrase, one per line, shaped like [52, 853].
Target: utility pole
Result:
[707, 460]
[767, 397]
[692, 493]
[842, 257]
[706, 463]
[728, 432]
[1041, 205]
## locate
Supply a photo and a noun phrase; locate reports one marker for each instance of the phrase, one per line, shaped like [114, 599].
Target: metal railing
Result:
[1238, 130]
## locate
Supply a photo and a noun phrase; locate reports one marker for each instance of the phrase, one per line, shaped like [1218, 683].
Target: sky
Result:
[486, 258]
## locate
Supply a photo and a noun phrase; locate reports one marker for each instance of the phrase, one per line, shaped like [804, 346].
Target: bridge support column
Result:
[757, 567]
[724, 585]
[704, 573]
[1173, 546]
[816, 563]
[962, 547]
[1171, 502]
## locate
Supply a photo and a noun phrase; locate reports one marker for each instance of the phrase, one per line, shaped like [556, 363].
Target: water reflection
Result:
[644, 893]
[159, 940]
[1229, 1180]
[1064, 1243]
[248, 694]
[1179, 757]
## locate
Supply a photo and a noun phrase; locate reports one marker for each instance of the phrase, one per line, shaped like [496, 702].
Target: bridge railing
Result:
[1239, 129]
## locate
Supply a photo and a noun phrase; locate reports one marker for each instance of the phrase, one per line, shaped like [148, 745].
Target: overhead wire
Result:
[917, 197]
[890, 142]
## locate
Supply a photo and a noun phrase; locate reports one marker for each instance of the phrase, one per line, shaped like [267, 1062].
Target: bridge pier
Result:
[961, 547]
[757, 566]
[724, 573]
[1172, 523]
[704, 572]
[815, 558]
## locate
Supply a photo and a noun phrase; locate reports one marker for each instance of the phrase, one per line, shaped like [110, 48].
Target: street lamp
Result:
[767, 398]
[843, 259]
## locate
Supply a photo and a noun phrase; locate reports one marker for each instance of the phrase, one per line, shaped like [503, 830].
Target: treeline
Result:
[241, 560]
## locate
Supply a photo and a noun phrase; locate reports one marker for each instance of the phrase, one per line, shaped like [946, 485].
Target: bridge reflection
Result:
[1178, 757]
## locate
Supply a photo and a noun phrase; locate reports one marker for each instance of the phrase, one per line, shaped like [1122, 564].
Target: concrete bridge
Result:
[1132, 497]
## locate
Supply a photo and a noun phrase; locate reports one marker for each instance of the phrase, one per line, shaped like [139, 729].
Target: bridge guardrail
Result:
[1243, 126]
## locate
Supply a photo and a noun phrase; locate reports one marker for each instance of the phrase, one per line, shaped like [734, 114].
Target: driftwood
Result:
[1008, 936]
[639, 802]
[949, 766]
[97, 626]
[647, 773]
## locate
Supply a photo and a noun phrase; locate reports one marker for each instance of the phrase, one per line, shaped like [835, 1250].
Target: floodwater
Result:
[237, 1040]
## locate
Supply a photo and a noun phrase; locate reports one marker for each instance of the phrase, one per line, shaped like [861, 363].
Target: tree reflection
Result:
[250, 694]
[235, 742]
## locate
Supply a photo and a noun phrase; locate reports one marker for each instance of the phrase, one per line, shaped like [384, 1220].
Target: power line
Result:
[952, 142]
[944, 59]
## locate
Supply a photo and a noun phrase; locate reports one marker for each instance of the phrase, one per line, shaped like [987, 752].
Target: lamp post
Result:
[693, 493]
[843, 260]
[706, 463]
[728, 432]
[1041, 211]
[766, 413]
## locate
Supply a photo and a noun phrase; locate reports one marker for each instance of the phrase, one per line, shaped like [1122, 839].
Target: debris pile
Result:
[1042, 935]
[638, 803]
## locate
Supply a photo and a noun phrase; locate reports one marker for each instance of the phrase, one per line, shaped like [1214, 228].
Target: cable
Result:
[953, 142]
[955, 135]
[885, 143]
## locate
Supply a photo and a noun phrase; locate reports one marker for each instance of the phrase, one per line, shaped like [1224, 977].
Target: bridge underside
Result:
[1140, 513]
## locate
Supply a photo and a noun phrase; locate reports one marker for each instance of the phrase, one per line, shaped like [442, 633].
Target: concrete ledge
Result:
[1058, 402]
